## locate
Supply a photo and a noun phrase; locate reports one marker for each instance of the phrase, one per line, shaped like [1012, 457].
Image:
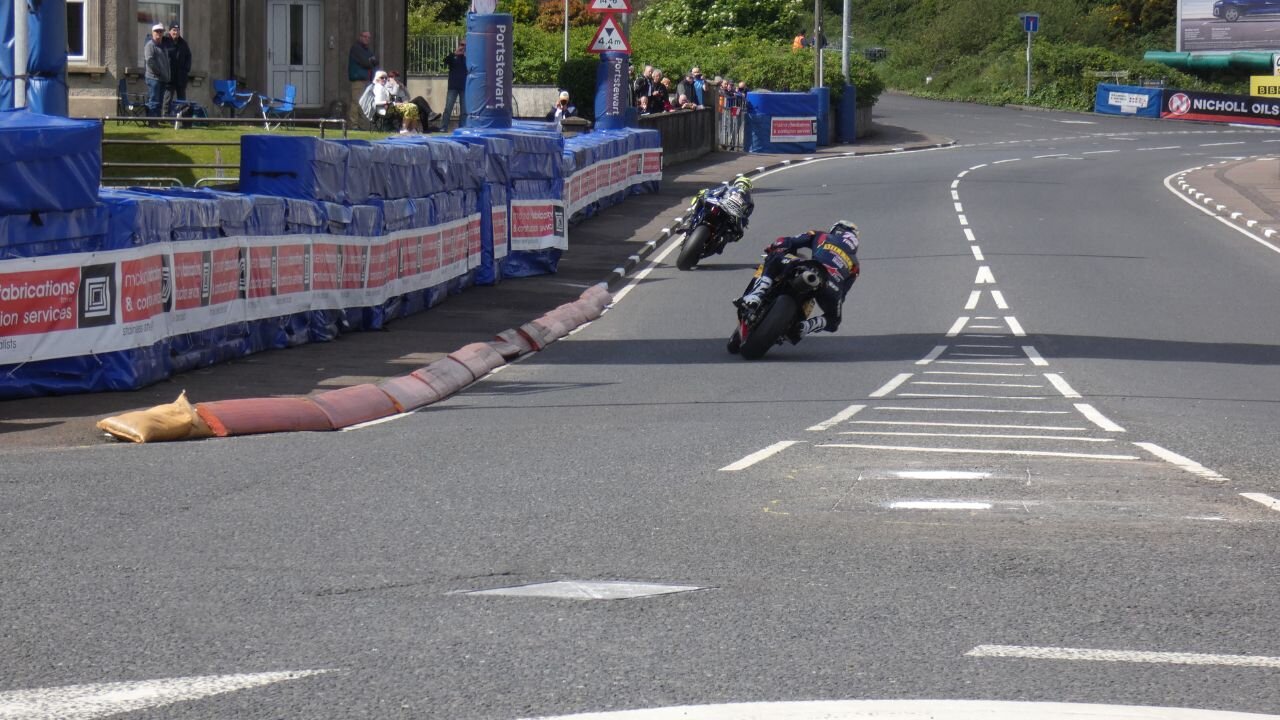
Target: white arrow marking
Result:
[984, 276]
[82, 702]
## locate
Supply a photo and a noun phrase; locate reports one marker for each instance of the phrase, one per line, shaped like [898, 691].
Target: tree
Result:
[551, 14]
[760, 18]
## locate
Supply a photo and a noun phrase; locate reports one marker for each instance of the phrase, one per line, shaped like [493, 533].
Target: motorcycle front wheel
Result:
[691, 249]
[775, 323]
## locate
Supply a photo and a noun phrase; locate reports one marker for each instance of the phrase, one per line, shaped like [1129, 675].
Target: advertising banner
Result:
[1127, 100]
[607, 177]
[613, 92]
[1216, 107]
[1237, 25]
[538, 225]
[489, 71]
[793, 129]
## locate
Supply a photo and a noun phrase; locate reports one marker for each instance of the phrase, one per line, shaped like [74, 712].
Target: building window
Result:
[150, 12]
[77, 31]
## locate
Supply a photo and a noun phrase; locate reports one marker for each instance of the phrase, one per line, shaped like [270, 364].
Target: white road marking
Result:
[1266, 500]
[984, 276]
[957, 326]
[970, 410]
[977, 253]
[971, 396]
[1097, 418]
[964, 220]
[937, 505]
[1014, 326]
[987, 327]
[759, 455]
[1042, 157]
[976, 451]
[942, 475]
[968, 234]
[973, 300]
[1001, 162]
[1168, 147]
[975, 167]
[955, 194]
[959, 207]
[1061, 385]
[376, 421]
[912, 710]
[81, 702]
[934, 354]
[999, 298]
[1222, 220]
[588, 590]
[1187, 464]
[977, 374]
[1034, 355]
[968, 425]
[1099, 152]
[640, 276]
[1134, 656]
[955, 184]
[1001, 436]
[838, 418]
[891, 385]
[1220, 144]
[982, 355]
[980, 362]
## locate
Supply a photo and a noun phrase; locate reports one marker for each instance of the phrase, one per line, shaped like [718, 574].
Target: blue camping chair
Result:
[278, 108]
[226, 97]
[130, 105]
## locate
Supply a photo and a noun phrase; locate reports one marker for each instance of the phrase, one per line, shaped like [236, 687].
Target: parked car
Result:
[1233, 10]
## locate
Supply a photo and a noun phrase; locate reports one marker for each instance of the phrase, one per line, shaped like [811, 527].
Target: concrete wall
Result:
[528, 101]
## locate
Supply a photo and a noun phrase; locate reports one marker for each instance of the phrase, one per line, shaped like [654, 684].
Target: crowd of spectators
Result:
[654, 91]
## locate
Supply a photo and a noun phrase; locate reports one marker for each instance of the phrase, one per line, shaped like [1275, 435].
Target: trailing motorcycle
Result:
[716, 221]
[786, 303]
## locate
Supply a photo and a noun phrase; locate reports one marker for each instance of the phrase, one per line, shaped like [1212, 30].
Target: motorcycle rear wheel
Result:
[776, 322]
[692, 247]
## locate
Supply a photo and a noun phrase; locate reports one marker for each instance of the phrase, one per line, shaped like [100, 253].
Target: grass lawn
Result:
[172, 148]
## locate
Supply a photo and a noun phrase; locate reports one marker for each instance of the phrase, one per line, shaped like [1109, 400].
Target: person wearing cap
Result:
[456, 63]
[562, 109]
[155, 62]
[179, 53]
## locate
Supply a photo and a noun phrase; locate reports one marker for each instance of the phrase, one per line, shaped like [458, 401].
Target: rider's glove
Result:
[779, 245]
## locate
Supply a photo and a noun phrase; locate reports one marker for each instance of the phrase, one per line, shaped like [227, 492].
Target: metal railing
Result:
[732, 119]
[425, 53]
[188, 121]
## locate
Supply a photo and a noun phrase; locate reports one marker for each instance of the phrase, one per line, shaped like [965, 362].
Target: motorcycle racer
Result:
[735, 198]
[836, 250]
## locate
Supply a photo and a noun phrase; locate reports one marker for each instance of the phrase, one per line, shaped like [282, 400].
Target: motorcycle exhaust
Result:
[811, 278]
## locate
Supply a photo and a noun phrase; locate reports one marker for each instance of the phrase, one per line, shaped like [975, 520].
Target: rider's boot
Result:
[806, 327]
[755, 296]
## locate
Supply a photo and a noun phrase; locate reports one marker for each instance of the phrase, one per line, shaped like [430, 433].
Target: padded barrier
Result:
[537, 335]
[48, 163]
[306, 168]
[781, 122]
[447, 376]
[409, 392]
[479, 358]
[353, 405]
[253, 416]
[512, 344]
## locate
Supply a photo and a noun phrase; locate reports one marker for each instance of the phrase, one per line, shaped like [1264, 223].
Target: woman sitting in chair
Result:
[385, 110]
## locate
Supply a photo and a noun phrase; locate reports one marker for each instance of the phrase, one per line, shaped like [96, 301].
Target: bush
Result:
[578, 76]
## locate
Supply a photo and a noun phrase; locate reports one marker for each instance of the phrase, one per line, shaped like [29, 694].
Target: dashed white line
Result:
[934, 354]
[994, 426]
[938, 505]
[969, 395]
[1097, 418]
[958, 326]
[996, 411]
[985, 277]
[891, 385]
[838, 418]
[1187, 464]
[968, 235]
[1014, 326]
[973, 300]
[977, 253]
[998, 296]
[976, 451]
[759, 455]
[1266, 500]
[1034, 355]
[959, 208]
[1061, 385]
[964, 220]
[1002, 436]
[1169, 658]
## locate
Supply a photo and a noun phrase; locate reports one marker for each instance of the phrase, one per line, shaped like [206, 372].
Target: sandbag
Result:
[177, 420]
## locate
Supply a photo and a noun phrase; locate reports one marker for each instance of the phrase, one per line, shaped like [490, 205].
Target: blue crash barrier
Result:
[123, 288]
[1128, 100]
[782, 122]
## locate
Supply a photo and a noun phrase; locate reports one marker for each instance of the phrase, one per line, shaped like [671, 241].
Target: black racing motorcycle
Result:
[785, 304]
[715, 222]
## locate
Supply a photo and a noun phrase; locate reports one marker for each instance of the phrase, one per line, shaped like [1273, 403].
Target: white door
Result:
[294, 49]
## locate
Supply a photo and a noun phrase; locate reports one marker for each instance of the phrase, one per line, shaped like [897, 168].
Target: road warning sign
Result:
[622, 6]
[609, 38]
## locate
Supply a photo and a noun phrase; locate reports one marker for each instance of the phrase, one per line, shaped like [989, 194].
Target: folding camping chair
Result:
[278, 108]
[130, 105]
[229, 99]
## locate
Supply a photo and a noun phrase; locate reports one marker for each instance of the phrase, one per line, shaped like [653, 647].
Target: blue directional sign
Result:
[1030, 22]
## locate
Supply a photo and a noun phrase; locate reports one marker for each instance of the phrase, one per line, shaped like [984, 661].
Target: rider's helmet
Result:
[844, 226]
[743, 182]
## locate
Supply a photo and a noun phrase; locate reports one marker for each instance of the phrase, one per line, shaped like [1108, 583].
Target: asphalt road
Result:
[1034, 465]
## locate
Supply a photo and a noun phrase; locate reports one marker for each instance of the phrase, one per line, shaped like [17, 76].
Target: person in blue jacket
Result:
[837, 251]
[456, 62]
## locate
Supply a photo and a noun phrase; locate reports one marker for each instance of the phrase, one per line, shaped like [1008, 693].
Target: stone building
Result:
[264, 44]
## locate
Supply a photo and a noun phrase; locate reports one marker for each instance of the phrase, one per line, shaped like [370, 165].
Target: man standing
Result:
[156, 66]
[361, 63]
[457, 65]
[179, 53]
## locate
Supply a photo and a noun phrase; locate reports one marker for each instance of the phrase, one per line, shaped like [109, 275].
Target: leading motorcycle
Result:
[785, 304]
[715, 222]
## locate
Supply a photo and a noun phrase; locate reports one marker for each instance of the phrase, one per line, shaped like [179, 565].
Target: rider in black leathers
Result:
[837, 251]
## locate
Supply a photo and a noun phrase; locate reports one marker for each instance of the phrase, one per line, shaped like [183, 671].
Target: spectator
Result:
[663, 96]
[179, 52]
[456, 62]
[685, 86]
[385, 106]
[699, 86]
[642, 105]
[425, 116]
[686, 104]
[361, 63]
[562, 109]
[157, 73]
[799, 42]
[643, 84]
[742, 88]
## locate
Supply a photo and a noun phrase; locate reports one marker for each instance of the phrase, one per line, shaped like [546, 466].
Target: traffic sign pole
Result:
[1031, 24]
